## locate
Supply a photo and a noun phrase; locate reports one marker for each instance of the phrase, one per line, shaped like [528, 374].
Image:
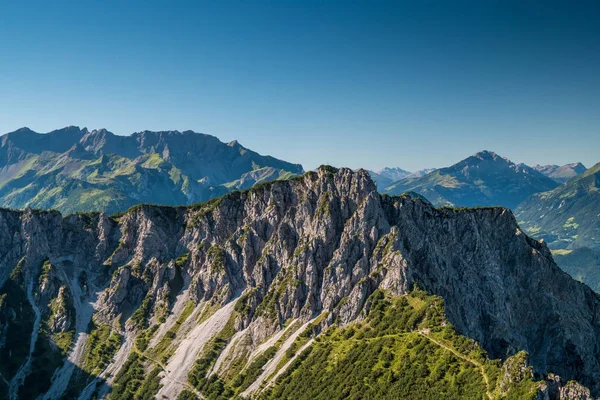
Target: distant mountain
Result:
[387, 176]
[567, 217]
[395, 174]
[480, 180]
[561, 173]
[422, 172]
[73, 169]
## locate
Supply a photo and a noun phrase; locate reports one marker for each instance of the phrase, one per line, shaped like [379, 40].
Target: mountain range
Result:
[312, 287]
[483, 179]
[561, 173]
[76, 170]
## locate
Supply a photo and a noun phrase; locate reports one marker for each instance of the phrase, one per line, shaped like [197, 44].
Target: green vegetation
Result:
[186, 395]
[253, 371]
[103, 343]
[324, 204]
[16, 275]
[163, 349]
[139, 319]
[46, 268]
[150, 386]
[242, 306]
[328, 169]
[213, 388]
[217, 258]
[182, 260]
[129, 379]
[404, 349]
[144, 337]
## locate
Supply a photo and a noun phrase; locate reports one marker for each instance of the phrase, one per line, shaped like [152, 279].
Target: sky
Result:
[413, 84]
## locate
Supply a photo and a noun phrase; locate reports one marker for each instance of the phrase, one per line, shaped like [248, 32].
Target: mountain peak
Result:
[488, 155]
[483, 179]
[68, 129]
[21, 131]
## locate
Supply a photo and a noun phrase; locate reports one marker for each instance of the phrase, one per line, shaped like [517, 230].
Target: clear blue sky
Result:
[361, 84]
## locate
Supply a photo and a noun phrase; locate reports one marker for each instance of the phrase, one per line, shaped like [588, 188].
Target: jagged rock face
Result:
[554, 388]
[323, 242]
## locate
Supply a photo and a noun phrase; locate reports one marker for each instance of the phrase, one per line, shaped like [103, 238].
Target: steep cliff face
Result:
[251, 271]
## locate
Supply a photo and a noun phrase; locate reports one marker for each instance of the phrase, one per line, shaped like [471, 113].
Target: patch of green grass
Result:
[186, 395]
[64, 341]
[139, 319]
[129, 379]
[102, 345]
[150, 386]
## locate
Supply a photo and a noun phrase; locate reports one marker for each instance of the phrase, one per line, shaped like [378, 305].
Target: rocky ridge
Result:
[265, 264]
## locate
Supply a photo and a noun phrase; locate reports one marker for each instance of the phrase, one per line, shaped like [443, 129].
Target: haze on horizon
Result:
[363, 85]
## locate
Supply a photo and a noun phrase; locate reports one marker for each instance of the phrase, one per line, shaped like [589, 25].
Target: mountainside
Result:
[582, 264]
[74, 170]
[484, 179]
[561, 173]
[567, 217]
[230, 297]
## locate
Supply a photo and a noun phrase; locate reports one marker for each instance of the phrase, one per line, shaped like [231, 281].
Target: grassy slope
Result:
[404, 349]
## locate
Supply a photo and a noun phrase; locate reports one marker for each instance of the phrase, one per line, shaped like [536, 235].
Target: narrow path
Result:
[424, 334]
[463, 357]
